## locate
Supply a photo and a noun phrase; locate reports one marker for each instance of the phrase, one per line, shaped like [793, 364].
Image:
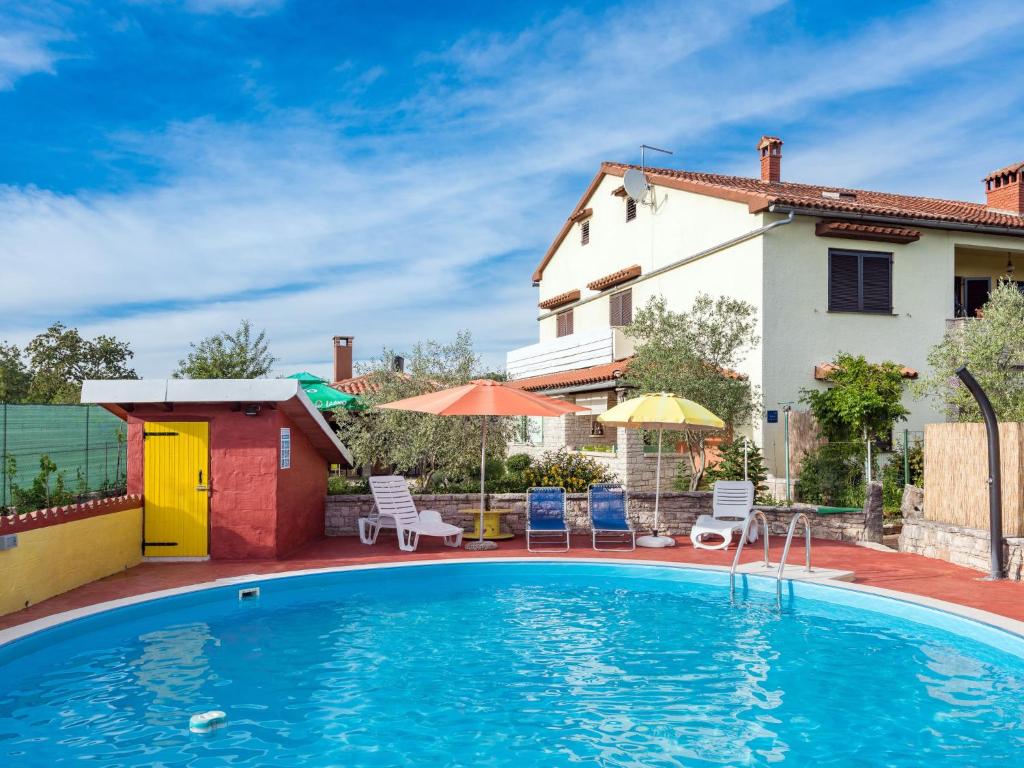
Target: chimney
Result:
[398, 364]
[343, 357]
[770, 149]
[1004, 189]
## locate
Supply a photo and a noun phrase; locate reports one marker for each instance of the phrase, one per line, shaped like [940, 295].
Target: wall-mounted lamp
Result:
[596, 430]
[1010, 269]
[253, 409]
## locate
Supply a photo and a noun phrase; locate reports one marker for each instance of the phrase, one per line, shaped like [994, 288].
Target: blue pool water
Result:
[515, 664]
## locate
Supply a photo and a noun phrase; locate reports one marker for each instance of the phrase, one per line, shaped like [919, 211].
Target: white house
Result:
[829, 270]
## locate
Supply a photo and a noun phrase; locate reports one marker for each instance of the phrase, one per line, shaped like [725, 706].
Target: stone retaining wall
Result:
[956, 544]
[678, 513]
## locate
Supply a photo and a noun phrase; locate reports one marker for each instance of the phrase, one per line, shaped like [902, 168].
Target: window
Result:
[620, 307]
[859, 281]
[286, 448]
[585, 232]
[564, 323]
[630, 209]
[531, 430]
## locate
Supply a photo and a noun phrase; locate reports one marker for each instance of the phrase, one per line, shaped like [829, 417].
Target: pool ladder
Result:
[759, 515]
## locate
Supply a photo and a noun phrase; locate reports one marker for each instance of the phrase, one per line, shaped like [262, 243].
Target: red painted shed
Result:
[230, 469]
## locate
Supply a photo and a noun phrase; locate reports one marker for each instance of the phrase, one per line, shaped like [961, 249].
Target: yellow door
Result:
[177, 476]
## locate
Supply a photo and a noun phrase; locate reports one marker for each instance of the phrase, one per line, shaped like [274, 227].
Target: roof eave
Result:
[960, 226]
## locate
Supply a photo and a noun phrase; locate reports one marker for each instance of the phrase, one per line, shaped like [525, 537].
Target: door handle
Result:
[200, 486]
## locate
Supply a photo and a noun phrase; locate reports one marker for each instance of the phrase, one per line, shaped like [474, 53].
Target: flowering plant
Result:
[570, 470]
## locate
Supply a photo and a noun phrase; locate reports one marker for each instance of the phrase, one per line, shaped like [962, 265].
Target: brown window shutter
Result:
[585, 233]
[859, 281]
[876, 284]
[620, 308]
[843, 282]
[564, 320]
[630, 209]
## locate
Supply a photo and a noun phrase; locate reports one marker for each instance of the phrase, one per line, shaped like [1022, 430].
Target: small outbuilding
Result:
[229, 469]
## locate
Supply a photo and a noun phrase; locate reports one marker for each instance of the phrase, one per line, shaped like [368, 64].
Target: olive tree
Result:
[991, 346]
[439, 449]
[238, 355]
[695, 354]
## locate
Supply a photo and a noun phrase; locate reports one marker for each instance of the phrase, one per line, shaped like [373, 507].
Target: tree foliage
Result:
[989, 346]
[441, 450]
[695, 354]
[730, 464]
[60, 359]
[238, 355]
[862, 398]
[15, 378]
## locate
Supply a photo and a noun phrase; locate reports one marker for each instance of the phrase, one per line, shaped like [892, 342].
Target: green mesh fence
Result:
[86, 442]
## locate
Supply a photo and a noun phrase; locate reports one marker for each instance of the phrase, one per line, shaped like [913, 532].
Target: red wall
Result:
[301, 491]
[253, 513]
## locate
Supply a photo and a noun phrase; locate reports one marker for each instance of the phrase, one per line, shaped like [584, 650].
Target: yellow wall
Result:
[52, 560]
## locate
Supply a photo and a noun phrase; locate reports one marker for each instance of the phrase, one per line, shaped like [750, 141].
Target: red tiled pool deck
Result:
[912, 574]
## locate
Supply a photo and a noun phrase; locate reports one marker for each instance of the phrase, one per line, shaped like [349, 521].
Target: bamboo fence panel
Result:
[956, 475]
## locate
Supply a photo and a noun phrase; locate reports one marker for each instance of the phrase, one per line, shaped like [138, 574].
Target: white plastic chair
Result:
[395, 508]
[731, 505]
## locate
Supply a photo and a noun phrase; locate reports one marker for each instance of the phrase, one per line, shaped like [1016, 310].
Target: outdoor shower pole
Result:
[995, 482]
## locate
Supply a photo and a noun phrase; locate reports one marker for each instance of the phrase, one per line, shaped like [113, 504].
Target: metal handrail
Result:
[785, 550]
[757, 514]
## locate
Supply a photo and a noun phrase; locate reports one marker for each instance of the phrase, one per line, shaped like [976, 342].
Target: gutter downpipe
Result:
[685, 260]
[995, 484]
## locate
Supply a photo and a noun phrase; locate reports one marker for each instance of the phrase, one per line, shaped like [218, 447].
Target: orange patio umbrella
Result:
[484, 397]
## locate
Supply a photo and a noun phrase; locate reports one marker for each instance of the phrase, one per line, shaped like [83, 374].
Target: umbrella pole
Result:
[483, 472]
[657, 484]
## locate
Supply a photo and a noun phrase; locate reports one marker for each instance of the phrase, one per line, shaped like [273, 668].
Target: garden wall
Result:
[678, 513]
[62, 548]
[957, 544]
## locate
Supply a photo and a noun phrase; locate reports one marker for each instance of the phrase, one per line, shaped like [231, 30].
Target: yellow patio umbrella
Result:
[660, 411]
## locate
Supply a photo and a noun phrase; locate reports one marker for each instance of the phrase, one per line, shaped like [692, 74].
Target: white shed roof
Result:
[114, 394]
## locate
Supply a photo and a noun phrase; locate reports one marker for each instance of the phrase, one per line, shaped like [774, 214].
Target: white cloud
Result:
[436, 225]
[26, 47]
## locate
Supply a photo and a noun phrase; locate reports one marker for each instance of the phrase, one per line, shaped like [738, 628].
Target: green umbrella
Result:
[324, 396]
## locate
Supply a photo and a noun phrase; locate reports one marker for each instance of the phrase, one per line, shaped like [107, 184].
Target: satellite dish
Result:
[636, 185]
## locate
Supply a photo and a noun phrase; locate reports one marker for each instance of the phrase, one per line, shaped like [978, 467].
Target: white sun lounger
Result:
[394, 508]
[731, 505]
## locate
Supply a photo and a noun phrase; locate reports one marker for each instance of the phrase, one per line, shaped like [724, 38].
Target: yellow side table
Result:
[492, 524]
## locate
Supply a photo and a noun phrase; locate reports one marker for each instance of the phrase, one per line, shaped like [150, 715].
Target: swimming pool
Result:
[516, 664]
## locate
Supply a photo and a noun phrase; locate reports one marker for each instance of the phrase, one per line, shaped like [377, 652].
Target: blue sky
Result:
[394, 171]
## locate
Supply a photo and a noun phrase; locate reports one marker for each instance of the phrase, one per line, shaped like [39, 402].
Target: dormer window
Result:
[585, 232]
[630, 209]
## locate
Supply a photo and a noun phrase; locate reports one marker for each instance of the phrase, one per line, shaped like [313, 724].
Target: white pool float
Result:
[207, 721]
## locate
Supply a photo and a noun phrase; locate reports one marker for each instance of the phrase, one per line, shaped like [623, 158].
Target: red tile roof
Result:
[810, 198]
[574, 378]
[854, 230]
[615, 278]
[561, 299]
[357, 385]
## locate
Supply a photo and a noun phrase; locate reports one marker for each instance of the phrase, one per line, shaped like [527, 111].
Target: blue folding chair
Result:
[608, 522]
[545, 520]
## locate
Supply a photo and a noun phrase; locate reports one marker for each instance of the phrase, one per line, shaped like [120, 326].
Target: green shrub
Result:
[42, 493]
[571, 471]
[833, 475]
[339, 486]
[893, 480]
[730, 465]
[518, 463]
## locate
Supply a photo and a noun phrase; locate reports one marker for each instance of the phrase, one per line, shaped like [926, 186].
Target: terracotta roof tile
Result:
[574, 378]
[856, 230]
[561, 299]
[357, 385]
[787, 193]
[608, 281]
